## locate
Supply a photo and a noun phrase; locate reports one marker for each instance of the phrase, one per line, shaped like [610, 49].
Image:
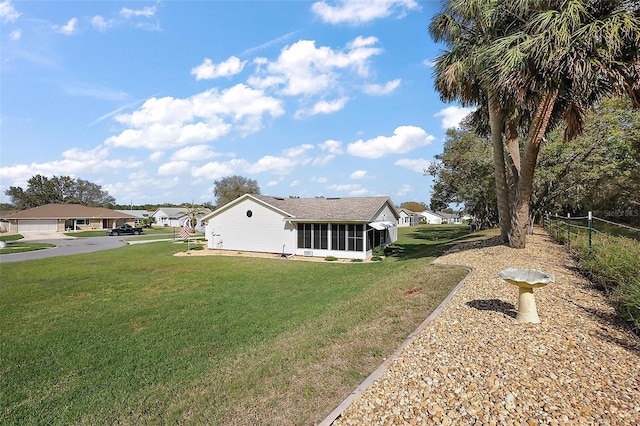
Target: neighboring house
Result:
[408, 218]
[342, 227]
[451, 218]
[176, 217]
[431, 217]
[140, 215]
[66, 217]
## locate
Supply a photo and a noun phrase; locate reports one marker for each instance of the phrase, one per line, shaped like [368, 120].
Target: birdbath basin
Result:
[526, 280]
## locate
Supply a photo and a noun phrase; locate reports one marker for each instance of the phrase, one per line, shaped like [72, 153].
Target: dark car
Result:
[124, 230]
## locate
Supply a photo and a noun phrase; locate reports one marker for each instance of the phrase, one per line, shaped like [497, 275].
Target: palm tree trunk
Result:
[502, 191]
[520, 215]
[512, 159]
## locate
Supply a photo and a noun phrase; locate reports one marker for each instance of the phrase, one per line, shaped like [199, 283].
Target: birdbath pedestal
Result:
[526, 280]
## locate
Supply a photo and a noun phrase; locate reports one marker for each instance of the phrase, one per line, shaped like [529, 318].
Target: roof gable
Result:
[348, 209]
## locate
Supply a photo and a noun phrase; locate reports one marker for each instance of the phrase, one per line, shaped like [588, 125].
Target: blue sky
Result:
[154, 101]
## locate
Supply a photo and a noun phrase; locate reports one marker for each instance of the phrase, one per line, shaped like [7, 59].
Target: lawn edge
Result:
[335, 414]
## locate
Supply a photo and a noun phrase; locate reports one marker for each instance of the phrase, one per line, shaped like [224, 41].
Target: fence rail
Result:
[582, 229]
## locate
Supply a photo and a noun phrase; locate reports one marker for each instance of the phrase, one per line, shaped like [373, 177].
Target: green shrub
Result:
[356, 260]
[376, 259]
[330, 258]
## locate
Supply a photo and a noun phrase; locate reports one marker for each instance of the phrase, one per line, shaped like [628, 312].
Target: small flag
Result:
[185, 232]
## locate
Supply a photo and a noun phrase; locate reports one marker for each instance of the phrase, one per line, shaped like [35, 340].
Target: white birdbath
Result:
[526, 280]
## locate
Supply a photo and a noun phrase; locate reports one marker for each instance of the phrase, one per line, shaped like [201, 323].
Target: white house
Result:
[408, 218]
[347, 228]
[431, 217]
[140, 215]
[176, 217]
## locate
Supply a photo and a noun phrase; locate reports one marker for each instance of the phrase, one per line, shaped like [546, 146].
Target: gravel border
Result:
[472, 364]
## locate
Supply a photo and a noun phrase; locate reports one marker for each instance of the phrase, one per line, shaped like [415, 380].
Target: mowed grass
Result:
[136, 335]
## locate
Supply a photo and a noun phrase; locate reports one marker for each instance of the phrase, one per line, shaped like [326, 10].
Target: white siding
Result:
[386, 215]
[265, 231]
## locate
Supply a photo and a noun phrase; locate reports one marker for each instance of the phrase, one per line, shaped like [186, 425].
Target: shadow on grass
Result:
[432, 242]
[496, 305]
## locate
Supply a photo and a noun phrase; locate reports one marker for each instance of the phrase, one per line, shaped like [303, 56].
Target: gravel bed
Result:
[474, 364]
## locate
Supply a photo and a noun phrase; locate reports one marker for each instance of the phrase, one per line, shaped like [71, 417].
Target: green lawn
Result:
[136, 335]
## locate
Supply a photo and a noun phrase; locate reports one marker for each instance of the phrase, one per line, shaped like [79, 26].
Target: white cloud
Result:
[94, 91]
[15, 35]
[272, 183]
[319, 179]
[297, 151]
[156, 156]
[404, 190]
[146, 12]
[74, 162]
[163, 123]
[361, 11]
[174, 168]
[429, 63]
[452, 116]
[324, 160]
[377, 89]
[327, 107]
[304, 69]
[294, 183]
[358, 174]
[417, 165]
[208, 70]
[69, 28]
[100, 24]
[8, 13]
[345, 187]
[403, 140]
[194, 153]
[334, 147]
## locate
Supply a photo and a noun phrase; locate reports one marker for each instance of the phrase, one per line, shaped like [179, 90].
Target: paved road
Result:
[66, 246]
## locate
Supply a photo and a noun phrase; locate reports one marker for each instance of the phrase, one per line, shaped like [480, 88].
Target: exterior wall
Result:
[387, 215]
[265, 231]
[408, 220]
[431, 218]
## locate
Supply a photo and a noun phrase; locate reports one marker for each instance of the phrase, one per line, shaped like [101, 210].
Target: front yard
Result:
[136, 335]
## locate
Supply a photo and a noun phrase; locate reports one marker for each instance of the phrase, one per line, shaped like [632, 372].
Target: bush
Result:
[356, 260]
[376, 259]
[614, 264]
[330, 258]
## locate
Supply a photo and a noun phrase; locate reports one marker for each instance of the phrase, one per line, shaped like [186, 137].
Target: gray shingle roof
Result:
[360, 209]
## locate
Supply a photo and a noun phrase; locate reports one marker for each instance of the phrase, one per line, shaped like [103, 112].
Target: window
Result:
[338, 237]
[354, 237]
[304, 235]
[82, 222]
[313, 235]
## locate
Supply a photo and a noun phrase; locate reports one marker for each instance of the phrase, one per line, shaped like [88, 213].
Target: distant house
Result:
[140, 215]
[430, 217]
[451, 218]
[66, 217]
[342, 227]
[176, 217]
[408, 217]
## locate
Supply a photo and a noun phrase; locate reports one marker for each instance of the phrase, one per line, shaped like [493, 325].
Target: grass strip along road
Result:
[136, 335]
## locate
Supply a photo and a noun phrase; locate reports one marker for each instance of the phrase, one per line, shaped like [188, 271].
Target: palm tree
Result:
[193, 212]
[467, 29]
[534, 64]
[563, 56]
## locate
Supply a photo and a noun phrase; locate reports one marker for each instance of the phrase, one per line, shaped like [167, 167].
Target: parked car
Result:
[124, 230]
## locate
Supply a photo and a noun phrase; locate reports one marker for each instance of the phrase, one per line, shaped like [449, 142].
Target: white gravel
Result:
[474, 365]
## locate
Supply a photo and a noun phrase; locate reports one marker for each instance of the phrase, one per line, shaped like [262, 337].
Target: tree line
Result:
[598, 171]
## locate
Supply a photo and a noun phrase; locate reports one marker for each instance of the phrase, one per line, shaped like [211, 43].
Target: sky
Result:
[156, 100]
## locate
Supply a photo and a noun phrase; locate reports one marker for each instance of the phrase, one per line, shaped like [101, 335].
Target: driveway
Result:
[64, 246]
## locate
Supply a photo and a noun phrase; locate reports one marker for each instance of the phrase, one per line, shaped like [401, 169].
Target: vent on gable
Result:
[308, 253]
